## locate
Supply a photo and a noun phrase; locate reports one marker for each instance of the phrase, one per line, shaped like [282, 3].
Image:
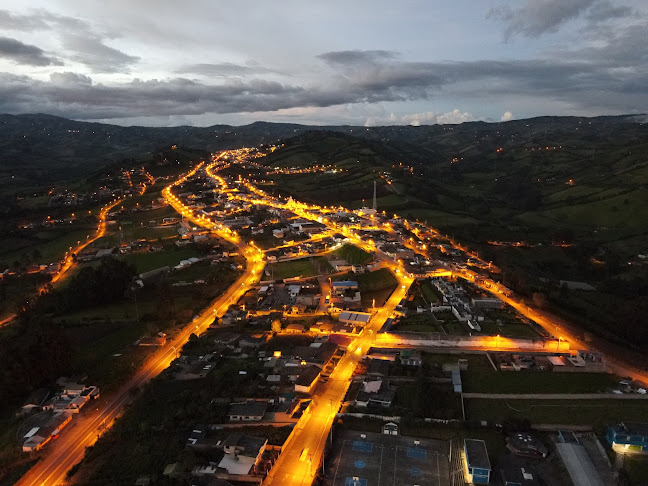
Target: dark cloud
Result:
[357, 57]
[223, 69]
[537, 17]
[83, 43]
[27, 54]
[604, 10]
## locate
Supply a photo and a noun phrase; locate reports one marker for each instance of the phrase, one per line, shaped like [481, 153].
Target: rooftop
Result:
[476, 453]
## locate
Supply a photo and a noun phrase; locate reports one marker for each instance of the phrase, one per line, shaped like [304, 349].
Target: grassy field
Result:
[353, 254]
[431, 294]
[171, 256]
[513, 330]
[577, 412]
[417, 323]
[304, 267]
[491, 381]
[51, 244]
[475, 361]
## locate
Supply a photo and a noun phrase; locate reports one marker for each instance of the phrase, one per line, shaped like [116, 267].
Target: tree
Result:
[539, 299]
[276, 325]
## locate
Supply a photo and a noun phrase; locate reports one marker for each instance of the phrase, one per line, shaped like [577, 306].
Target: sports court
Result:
[368, 459]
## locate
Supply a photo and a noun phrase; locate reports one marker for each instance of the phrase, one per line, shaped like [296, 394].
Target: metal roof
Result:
[579, 465]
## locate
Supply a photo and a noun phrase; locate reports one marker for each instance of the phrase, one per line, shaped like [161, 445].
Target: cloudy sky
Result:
[364, 62]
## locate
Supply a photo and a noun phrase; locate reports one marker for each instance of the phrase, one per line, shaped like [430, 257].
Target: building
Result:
[476, 461]
[518, 472]
[628, 437]
[523, 444]
[307, 379]
[250, 411]
[579, 465]
[375, 393]
[242, 453]
[390, 428]
[355, 318]
[342, 285]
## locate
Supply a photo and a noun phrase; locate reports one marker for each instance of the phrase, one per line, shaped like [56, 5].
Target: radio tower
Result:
[374, 199]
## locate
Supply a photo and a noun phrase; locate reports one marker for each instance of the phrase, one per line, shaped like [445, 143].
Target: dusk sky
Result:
[203, 62]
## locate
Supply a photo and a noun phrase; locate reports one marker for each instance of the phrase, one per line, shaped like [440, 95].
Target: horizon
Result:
[637, 119]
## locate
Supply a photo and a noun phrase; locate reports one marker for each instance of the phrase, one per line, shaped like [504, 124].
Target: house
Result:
[518, 473]
[476, 461]
[284, 409]
[250, 411]
[628, 437]
[378, 367]
[47, 429]
[342, 285]
[242, 453]
[409, 357]
[355, 318]
[200, 439]
[297, 309]
[307, 378]
[523, 444]
[375, 393]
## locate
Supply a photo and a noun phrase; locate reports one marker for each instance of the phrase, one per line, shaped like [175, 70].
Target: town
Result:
[340, 337]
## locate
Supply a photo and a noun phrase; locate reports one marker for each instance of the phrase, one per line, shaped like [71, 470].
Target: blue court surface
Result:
[355, 482]
[372, 459]
[416, 453]
[361, 446]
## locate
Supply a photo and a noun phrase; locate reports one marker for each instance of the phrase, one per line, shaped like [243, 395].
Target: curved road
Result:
[69, 449]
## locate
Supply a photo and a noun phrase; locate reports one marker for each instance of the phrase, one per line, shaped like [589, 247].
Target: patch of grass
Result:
[430, 294]
[577, 412]
[171, 256]
[475, 361]
[513, 330]
[304, 267]
[418, 323]
[377, 280]
[353, 254]
[491, 381]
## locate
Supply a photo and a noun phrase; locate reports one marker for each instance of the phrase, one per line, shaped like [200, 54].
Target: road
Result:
[68, 261]
[301, 456]
[69, 449]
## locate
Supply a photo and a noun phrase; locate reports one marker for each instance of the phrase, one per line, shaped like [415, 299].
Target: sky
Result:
[353, 62]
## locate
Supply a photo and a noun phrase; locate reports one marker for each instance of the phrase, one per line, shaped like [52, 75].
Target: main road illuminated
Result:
[84, 431]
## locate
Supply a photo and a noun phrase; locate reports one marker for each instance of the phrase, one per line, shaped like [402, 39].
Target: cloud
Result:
[83, 42]
[537, 17]
[507, 116]
[604, 10]
[90, 50]
[27, 54]
[455, 116]
[606, 76]
[223, 69]
[356, 57]
[69, 79]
